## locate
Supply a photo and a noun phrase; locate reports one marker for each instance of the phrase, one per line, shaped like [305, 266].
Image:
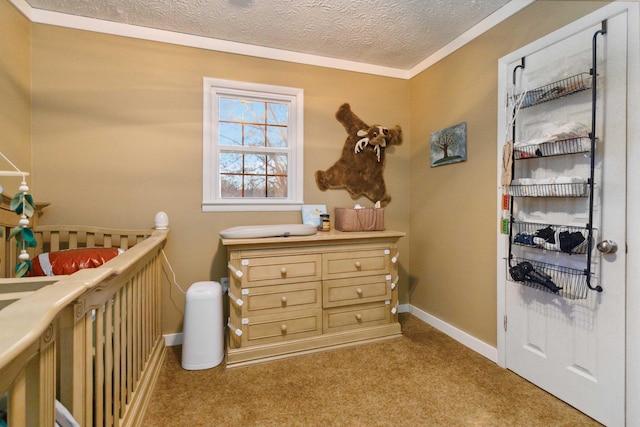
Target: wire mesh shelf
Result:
[559, 238]
[569, 283]
[574, 189]
[552, 148]
[559, 89]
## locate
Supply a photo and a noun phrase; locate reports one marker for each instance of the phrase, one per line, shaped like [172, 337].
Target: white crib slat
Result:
[99, 367]
[108, 364]
[135, 331]
[117, 357]
[54, 242]
[149, 314]
[157, 267]
[88, 369]
[39, 243]
[47, 379]
[72, 360]
[73, 240]
[65, 329]
[91, 240]
[143, 315]
[17, 402]
[122, 398]
[130, 348]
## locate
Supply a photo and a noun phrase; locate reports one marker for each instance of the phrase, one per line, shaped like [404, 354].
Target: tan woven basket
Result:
[363, 219]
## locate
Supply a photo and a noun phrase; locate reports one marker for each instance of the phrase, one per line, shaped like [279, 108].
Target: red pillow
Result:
[70, 261]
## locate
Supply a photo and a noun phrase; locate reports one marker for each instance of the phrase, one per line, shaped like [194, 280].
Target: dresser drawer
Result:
[279, 270]
[275, 328]
[358, 290]
[282, 298]
[356, 316]
[355, 263]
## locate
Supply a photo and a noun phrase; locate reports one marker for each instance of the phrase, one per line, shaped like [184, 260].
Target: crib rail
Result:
[92, 340]
[52, 238]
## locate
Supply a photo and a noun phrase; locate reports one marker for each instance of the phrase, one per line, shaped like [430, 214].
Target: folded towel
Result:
[549, 181]
[556, 132]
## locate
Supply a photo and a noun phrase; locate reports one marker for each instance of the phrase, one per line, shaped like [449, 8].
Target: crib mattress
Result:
[274, 230]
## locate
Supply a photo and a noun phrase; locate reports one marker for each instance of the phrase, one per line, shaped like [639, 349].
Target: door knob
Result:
[607, 247]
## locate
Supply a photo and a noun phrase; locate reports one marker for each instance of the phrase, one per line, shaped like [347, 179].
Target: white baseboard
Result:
[473, 343]
[462, 337]
[172, 339]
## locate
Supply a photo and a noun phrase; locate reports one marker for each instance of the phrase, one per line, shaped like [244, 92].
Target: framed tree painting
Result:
[449, 145]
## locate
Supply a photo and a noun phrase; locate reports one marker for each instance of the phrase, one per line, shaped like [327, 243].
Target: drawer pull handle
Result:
[394, 310]
[235, 330]
[358, 265]
[237, 301]
[395, 258]
[283, 271]
[284, 300]
[394, 283]
[235, 271]
[283, 328]
[358, 317]
[359, 291]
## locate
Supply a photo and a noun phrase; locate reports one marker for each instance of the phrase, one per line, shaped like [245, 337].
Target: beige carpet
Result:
[424, 378]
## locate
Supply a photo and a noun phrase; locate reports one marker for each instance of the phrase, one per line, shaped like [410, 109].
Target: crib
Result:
[90, 341]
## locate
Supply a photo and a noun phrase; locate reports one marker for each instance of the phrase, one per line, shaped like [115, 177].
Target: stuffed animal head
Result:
[378, 137]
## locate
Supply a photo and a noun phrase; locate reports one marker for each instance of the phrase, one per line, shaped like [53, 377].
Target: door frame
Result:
[632, 368]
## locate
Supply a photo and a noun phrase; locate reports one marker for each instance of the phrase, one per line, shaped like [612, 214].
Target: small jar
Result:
[325, 222]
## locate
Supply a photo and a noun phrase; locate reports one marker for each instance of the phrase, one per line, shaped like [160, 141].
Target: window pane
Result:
[254, 136]
[231, 185]
[277, 114]
[231, 110]
[230, 134]
[255, 186]
[231, 163]
[277, 164]
[241, 110]
[276, 136]
[277, 186]
[255, 164]
[255, 112]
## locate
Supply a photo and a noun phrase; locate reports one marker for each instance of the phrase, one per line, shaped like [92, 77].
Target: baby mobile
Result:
[23, 205]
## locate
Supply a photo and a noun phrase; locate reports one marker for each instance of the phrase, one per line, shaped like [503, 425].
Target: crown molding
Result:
[40, 16]
[505, 12]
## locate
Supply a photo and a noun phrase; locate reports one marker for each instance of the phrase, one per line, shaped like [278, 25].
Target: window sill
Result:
[247, 207]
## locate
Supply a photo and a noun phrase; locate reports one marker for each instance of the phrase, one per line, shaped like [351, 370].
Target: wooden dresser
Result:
[302, 294]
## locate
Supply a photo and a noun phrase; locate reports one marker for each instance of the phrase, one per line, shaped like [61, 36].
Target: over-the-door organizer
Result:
[553, 258]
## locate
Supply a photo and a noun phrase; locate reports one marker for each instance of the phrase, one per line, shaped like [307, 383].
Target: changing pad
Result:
[276, 230]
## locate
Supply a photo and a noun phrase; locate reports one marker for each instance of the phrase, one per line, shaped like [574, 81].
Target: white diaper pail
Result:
[203, 331]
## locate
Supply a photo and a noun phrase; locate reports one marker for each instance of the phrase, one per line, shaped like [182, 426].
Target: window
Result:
[252, 147]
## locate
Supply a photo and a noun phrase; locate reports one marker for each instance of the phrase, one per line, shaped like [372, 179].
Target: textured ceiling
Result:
[391, 33]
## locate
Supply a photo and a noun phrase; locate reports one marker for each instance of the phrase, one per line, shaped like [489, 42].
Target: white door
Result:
[573, 348]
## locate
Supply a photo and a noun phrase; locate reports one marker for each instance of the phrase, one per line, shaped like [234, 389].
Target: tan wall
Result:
[117, 136]
[15, 93]
[453, 207]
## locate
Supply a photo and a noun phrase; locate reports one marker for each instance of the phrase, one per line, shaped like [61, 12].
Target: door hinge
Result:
[505, 323]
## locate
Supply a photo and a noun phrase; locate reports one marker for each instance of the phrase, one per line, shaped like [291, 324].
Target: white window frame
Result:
[213, 89]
